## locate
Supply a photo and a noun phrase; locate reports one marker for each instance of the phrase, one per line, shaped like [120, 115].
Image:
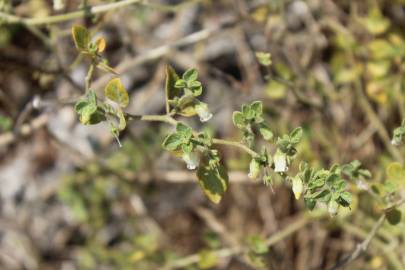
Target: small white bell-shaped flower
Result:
[333, 207]
[297, 187]
[203, 112]
[192, 160]
[280, 162]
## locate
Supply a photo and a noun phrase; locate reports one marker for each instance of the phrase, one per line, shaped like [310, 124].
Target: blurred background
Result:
[71, 198]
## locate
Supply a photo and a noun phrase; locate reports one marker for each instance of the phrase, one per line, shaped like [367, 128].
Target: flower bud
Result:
[254, 169]
[333, 207]
[191, 160]
[395, 142]
[280, 162]
[203, 112]
[297, 187]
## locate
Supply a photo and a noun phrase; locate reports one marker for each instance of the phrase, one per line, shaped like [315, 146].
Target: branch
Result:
[376, 122]
[88, 12]
[167, 118]
[362, 247]
[26, 129]
[13, 19]
[227, 252]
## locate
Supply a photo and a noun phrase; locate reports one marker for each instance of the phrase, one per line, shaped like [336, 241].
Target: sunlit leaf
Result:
[81, 37]
[171, 79]
[213, 181]
[207, 259]
[116, 92]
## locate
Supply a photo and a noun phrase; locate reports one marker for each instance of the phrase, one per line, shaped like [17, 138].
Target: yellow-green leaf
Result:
[208, 259]
[171, 90]
[186, 105]
[376, 24]
[396, 174]
[213, 181]
[276, 90]
[116, 92]
[81, 37]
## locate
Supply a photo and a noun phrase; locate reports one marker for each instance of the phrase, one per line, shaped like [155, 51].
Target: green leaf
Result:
[172, 142]
[5, 123]
[266, 132]
[396, 174]
[257, 244]
[180, 83]
[381, 49]
[184, 132]
[257, 107]
[248, 112]
[375, 23]
[190, 75]
[394, 216]
[264, 58]
[296, 135]
[207, 259]
[186, 105]
[345, 199]
[238, 119]
[171, 89]
[195, 87]
[309, 203]
[116, 92]
[81, 37]
[213, 181]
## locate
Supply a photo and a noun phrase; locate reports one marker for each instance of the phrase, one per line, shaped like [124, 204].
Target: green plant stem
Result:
[227, 252]
[12, 19]
[89, 11]
[362, 247]
[89, 76]
[236, 144]
[167, 118]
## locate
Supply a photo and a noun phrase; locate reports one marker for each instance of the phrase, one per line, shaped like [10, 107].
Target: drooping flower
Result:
[280, 162]
[203, 112]
[297, 187]
[254, 169]
[192, 160]
[333, 207]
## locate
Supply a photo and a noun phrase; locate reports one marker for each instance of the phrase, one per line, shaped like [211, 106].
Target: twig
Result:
[158, 52]
[227, 252]
[362, 247]
[26, 129]
[88, 12]
[13, 19]
[89, 76]
[170, 120]
[376, 122]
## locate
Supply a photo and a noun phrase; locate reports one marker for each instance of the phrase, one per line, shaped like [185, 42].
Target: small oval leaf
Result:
[81, 37]
[116, 92]
[213, 181]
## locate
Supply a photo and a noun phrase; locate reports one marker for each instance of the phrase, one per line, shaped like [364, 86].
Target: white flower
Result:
[58, 4]
[280, 162]
[395, 142]
[203, 112]
[191, 160]
[333, 207]
[297, 187]
[254, 169]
